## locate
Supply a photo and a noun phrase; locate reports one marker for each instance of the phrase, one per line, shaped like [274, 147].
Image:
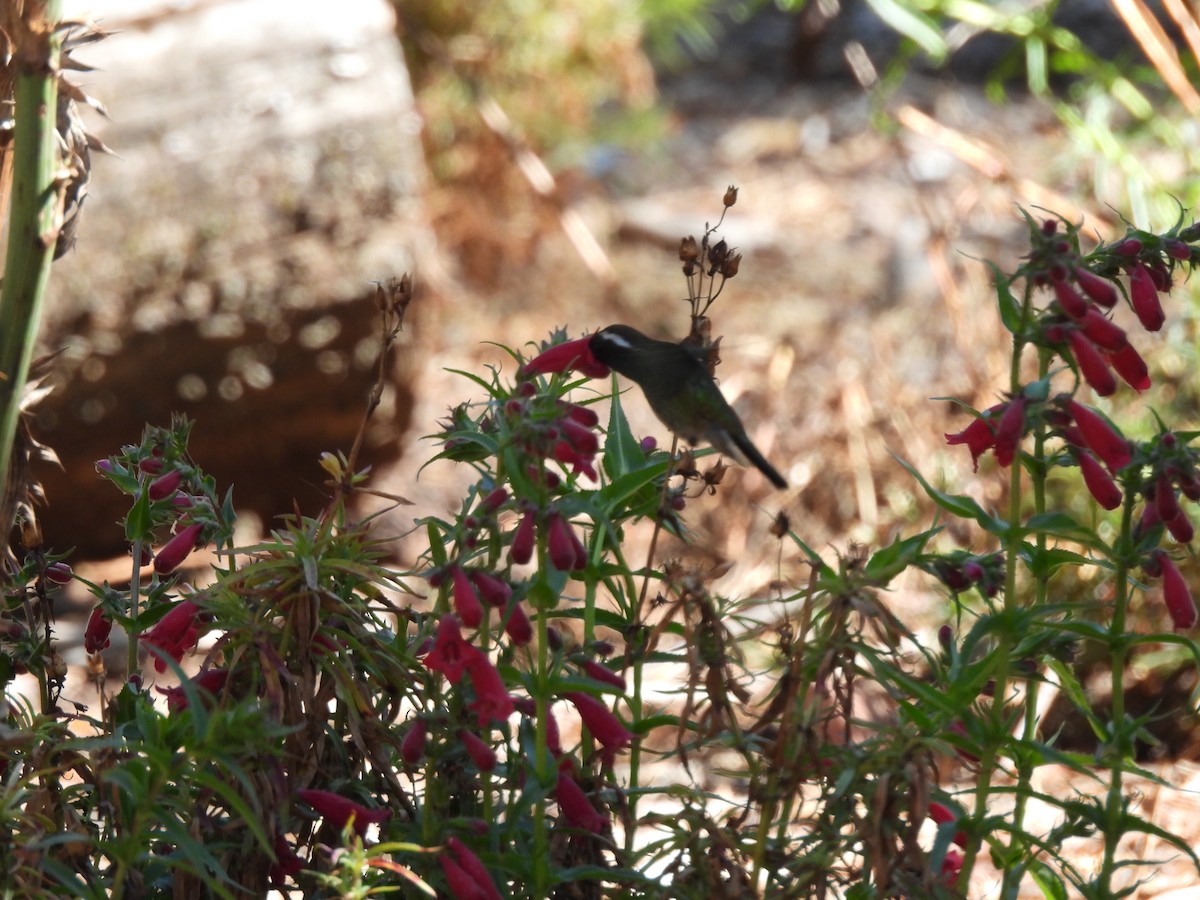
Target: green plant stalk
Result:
[1012, 546]
[541, 752]
[135, 583]
[33, 223]
[1119, 648]
[1037, 479]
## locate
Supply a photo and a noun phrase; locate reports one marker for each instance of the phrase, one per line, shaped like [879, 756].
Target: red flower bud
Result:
[521, 550]
[1164, 498]
[1144, 297]
[412, 748]
[1092, 365]
[1131, 367]
[1010, 431]
[492, 702]
[210, 681]
[1181, 528]
[474, 868]
[339, 810]
[1102, 331]
[480, 752]
[466, 601]
[567, 553]
[1101, 290]
[178, 548]
[602, 673]
[1178, 598]
[95, 637]
[1100, 437]
[942, 814]
[59, 573]
[605, 727]
[175, 633]
[1099, 483]
[1069, 299]
[517, 626]
[577, 810]
[584, 415]
[1177, 249]
[495, 591]
[494, 500]
[163, 487]
[1128, 247]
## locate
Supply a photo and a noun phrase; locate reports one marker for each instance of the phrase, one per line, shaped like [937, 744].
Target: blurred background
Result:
[534, 165]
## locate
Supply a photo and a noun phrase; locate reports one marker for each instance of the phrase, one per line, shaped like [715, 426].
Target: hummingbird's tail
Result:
[756, 459]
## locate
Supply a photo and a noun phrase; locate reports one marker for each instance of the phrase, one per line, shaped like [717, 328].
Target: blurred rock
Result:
[269, 171]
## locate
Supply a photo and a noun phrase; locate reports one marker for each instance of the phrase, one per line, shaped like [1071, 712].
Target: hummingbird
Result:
[680, 390]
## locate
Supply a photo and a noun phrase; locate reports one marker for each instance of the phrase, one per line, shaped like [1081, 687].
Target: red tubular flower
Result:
[165, 486]
[492, 702]
[1010, 431]
[412, 748]
[578, 462]
[495, 591]
[575, 806]
[566, 552]
[941, 815]
[1144, 297]
[952, 864]
[339, 810]
[1092, 365]
[1178, 598]
[1131, 367]
[517, 626]
[521, 549]
[1101, 290]
[95, 637]
[209, 682]
[1068, 298]
[979, 436]
[494, 500]
[462, 885]
[178, 548]
[480, 752]
[602, 673]
[59, 573]
[286, 864]
[466, 601]
[175, 633]
[450, 653]
[1099, 483]
[575, 355]
[582, 439]
[1100, 437]
[605, 727]
[473, 866]
[1102, 331]
[1181, 528]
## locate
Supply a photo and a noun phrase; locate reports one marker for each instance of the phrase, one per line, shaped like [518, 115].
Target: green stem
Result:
[541, 753]
[33, 217]
[1121, 733]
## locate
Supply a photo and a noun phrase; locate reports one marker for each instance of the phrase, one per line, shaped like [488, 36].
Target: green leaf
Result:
[959, 505]
[622, 453]
[915, 26]
[1059, 524]
[139, 522]
[1011, 314]
[887, 563]
[1044, 562]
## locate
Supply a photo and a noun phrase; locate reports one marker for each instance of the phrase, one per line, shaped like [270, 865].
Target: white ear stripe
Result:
[614, 340]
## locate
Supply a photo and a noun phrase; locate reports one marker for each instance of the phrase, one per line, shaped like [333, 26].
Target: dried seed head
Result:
[731, 265]
[730, 197]
[689, 250]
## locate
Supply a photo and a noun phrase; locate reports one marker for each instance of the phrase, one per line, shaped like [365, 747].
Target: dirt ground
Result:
[860, 299]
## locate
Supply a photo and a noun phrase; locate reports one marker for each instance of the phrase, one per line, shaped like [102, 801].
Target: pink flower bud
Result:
[151, 465]
[1101, 290]
[494, 500]
[466, 601]
[1128, 247]
[521, 549]
[602, 673]
[178, 548]
[164, 486]
[605, 727]
[1181, 528]
[59, 573]
[1099, 483]
[473, 866]
[1177, 249]
[1164, 498]
[495, 591]
[584, 415]
[1091, 364]
[1144, 297]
